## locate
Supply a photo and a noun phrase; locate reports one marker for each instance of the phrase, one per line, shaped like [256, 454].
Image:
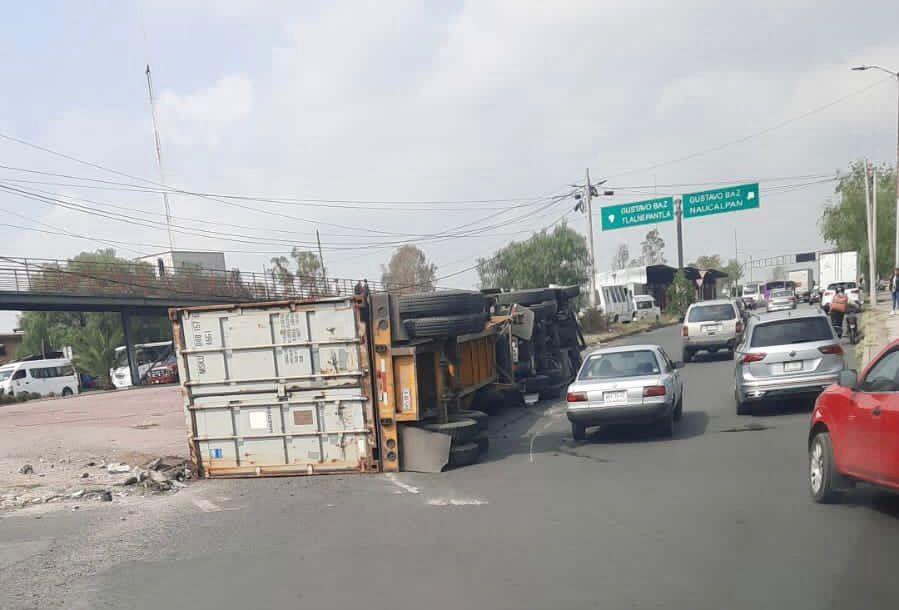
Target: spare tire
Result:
[544, 310]
[464, 455]
[442, 303]
[460, 429]
[447, 326]
[525, 297]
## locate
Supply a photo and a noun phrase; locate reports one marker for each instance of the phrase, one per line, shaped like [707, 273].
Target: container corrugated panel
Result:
[277, 388]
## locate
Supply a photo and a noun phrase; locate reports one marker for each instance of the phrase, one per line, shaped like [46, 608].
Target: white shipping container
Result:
[837, 267]
[277, 388]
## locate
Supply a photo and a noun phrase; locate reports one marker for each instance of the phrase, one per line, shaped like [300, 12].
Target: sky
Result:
[445, 124]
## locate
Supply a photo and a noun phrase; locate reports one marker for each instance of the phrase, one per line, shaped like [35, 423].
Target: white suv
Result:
[711, 326]
[851, 290]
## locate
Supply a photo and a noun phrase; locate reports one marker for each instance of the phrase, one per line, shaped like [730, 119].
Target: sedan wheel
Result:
[821, 470]
[578, 431]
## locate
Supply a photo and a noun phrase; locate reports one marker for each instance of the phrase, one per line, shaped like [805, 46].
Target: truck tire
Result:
[447, 326]
[465, 454]
[525, 297]
[478, 416]
[535, 384]
[569, 292]
[442, 303]
[461, 429]
[545, 310]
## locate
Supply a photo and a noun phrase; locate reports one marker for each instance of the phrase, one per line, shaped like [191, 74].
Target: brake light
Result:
[684, 331]
[753, 357]
[654, 390]
[831, 349]
[827, 293]
[739, 326]
[577, 397]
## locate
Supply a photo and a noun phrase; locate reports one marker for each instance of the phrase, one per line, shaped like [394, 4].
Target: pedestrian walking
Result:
[894, 290]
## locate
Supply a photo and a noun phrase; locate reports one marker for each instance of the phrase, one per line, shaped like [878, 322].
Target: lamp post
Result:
[895, 75]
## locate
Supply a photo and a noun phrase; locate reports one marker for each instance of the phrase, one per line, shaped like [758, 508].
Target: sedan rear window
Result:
[620, 364]
[711, 313]
[785, 332]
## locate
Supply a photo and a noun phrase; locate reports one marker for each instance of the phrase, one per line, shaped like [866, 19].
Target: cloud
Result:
[207, 111]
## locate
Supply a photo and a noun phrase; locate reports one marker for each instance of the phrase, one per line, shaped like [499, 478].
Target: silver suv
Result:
[784, 354]
[711, 326]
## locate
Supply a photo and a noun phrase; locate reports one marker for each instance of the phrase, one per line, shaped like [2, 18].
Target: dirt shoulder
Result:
[68, 448]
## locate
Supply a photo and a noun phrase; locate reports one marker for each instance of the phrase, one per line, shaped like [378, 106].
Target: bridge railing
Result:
[49, 276]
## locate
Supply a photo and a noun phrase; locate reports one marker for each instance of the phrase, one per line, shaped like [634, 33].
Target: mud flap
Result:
[423, 451]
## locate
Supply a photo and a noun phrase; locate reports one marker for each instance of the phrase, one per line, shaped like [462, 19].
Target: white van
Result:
[646, 308]
[54, 376]
[148, 355]
[616, 302]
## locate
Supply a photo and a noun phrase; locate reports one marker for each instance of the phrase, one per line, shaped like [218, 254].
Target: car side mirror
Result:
[848, 379]
[678, 364]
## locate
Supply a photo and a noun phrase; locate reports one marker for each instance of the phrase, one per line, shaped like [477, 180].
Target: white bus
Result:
[54, 376]
[147, 354]
[616, 303]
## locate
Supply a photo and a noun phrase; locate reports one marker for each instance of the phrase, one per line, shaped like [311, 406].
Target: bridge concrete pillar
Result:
[129, 348]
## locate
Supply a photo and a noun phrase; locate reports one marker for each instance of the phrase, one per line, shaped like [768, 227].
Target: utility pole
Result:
[588, 197]
[871, 289]
[165, 195]
[679, 215]
[321, 259]
[874, 230]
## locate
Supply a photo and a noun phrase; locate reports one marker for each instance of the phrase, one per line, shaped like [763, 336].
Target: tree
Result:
[622, 255]
[680, 294]
[557, 257]
[844, 223]
[734, 271]
[281, 272]
[652, 248]
[707, 262]
[409, 271]
[94, 348]
[636, 262]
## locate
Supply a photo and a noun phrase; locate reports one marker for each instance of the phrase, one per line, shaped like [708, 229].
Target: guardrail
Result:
[76, 278]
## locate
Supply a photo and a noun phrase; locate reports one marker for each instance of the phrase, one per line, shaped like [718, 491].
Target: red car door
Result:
[876, 396]
[889, 441]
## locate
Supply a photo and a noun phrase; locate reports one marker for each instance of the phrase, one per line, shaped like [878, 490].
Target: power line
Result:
[756, 134]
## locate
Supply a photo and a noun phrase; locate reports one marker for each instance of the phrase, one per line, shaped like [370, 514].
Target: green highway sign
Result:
[638, 213]
[719, 201]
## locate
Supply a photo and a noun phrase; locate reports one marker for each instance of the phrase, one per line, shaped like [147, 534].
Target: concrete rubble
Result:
[163, 474]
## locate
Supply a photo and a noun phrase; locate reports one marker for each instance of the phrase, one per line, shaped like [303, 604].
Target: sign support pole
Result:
[679, 215]
[588, 194]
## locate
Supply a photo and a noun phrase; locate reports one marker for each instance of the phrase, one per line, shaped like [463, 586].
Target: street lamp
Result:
[895, 75]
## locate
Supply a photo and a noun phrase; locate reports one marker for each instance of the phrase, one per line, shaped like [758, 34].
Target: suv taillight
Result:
[739, 326]
[577, 397]
[685, 332]
[654, 390]
[755, 357]
[830, 349]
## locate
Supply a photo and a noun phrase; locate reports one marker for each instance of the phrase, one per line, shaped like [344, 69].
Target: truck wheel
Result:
[461, 429]
[822, 473]
[67, 391]
[478, 416]
[578, 431]
[464, 455]
[544, 310]
[525, 297]
[448, 326]
[442, 303]
[569, 292]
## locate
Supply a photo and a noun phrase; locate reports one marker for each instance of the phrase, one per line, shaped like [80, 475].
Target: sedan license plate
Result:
[617, 396]
[792, 367]
[711, 329]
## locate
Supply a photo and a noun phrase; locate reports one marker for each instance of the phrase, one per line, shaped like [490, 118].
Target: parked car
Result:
[711, 326]
[854, 432]
[645, 308]
[785, 354]
[850, 288]
[44, 377]
[631, 384]
[781, 300]
[164, 372]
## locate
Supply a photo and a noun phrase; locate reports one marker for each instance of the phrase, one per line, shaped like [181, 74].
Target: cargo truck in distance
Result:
[803, 283]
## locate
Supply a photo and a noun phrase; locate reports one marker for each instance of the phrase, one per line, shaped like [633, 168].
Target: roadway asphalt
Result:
[717, 517]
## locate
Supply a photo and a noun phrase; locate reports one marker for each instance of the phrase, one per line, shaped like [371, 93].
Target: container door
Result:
[278, 389]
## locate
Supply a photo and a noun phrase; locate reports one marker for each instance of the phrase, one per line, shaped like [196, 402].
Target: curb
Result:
[631, 333]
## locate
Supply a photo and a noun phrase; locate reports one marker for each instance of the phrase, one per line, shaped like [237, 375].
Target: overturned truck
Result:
[358, 383]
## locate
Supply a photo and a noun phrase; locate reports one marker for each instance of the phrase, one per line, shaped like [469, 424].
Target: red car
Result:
[854, 432]
[164, 372]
